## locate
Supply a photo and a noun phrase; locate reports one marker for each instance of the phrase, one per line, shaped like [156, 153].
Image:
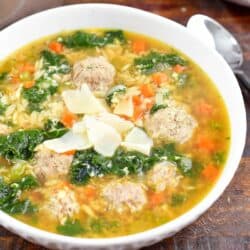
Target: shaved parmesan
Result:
[125, 107]
[120, 124]
[138, 140]
[82, 101]
[67, 142]
[104, 137]
[79, 128]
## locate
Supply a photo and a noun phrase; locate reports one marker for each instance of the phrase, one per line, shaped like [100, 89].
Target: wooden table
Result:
[225, 226]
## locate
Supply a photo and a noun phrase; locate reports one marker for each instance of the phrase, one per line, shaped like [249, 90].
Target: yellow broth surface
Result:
[93, 212]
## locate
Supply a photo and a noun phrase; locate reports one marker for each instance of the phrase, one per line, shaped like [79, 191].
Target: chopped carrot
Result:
[179, 68]
[204, 108]
[206, 144]
[56, 47]
[28, 84]
[159, 78]
[156, 199]
[27, 67]
[137, 100]
[15, 79]
[210, 172]
[68, 118]
[139, 46]
[147, 90]
[63, 184]
[90, 192]
[149, 105]
[70, 152]
[125, 117]
[138, 112]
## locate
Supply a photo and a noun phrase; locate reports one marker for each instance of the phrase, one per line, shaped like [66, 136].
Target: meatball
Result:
[97, 72]
[62, 204]
[163, 175]
[171, 124]
[48, 164]
[125, 196]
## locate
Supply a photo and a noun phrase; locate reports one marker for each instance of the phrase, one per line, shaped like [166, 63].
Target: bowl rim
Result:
[170, 227]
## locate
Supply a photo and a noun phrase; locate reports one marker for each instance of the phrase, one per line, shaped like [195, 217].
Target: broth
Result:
[107, 200]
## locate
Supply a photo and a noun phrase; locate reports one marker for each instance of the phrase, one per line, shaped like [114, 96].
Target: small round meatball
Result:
[48, 164]
[125, 196]
[163, 175]
[171, 124]
[97, 72]
[62, 204]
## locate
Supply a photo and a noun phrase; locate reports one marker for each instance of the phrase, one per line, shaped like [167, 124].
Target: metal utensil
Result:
[241, 2]
[216, 36]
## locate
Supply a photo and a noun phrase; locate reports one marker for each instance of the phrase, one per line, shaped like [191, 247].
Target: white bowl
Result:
[114, 16]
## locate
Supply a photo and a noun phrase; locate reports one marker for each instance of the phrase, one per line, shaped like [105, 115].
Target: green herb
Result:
[55, 63]
[3, 76]
[155, 61]
[71, 228]
[130, 162]
[45, 85]
[39, 93]
[10, 193]
[89, 163]
[21, 144]
[114, 92]
[99, 225]
[157, 107]
[218, 158]
[177, 199]
[3, 108]
[28, 182]
[182, 79]
[186, 165]
[54, 129]
[215, 125]
[81, 39]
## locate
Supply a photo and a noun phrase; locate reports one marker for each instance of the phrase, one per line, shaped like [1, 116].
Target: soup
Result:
[106, 133]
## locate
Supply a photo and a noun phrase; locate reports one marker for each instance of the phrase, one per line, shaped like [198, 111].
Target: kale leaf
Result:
[177, 199]
[55, 63]
[45, 85]
[39, 93]
[130, 162]
[71, 228]
[155, 61]
[27, 182]
[113, 92]
[88, 163]
[218, 158]
[3, 76]
[10, 193]
[99, 225]
[3, 108]
[54, 129]
[82, 39]
[157, 107]
[182, 79]
[21, 144]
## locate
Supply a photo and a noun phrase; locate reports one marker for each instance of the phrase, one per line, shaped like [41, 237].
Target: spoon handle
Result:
[243, 78]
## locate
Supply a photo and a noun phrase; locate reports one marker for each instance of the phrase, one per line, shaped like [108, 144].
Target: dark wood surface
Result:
[226, 225]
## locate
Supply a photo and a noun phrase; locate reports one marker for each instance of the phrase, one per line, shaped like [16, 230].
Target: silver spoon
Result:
[216, 36]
